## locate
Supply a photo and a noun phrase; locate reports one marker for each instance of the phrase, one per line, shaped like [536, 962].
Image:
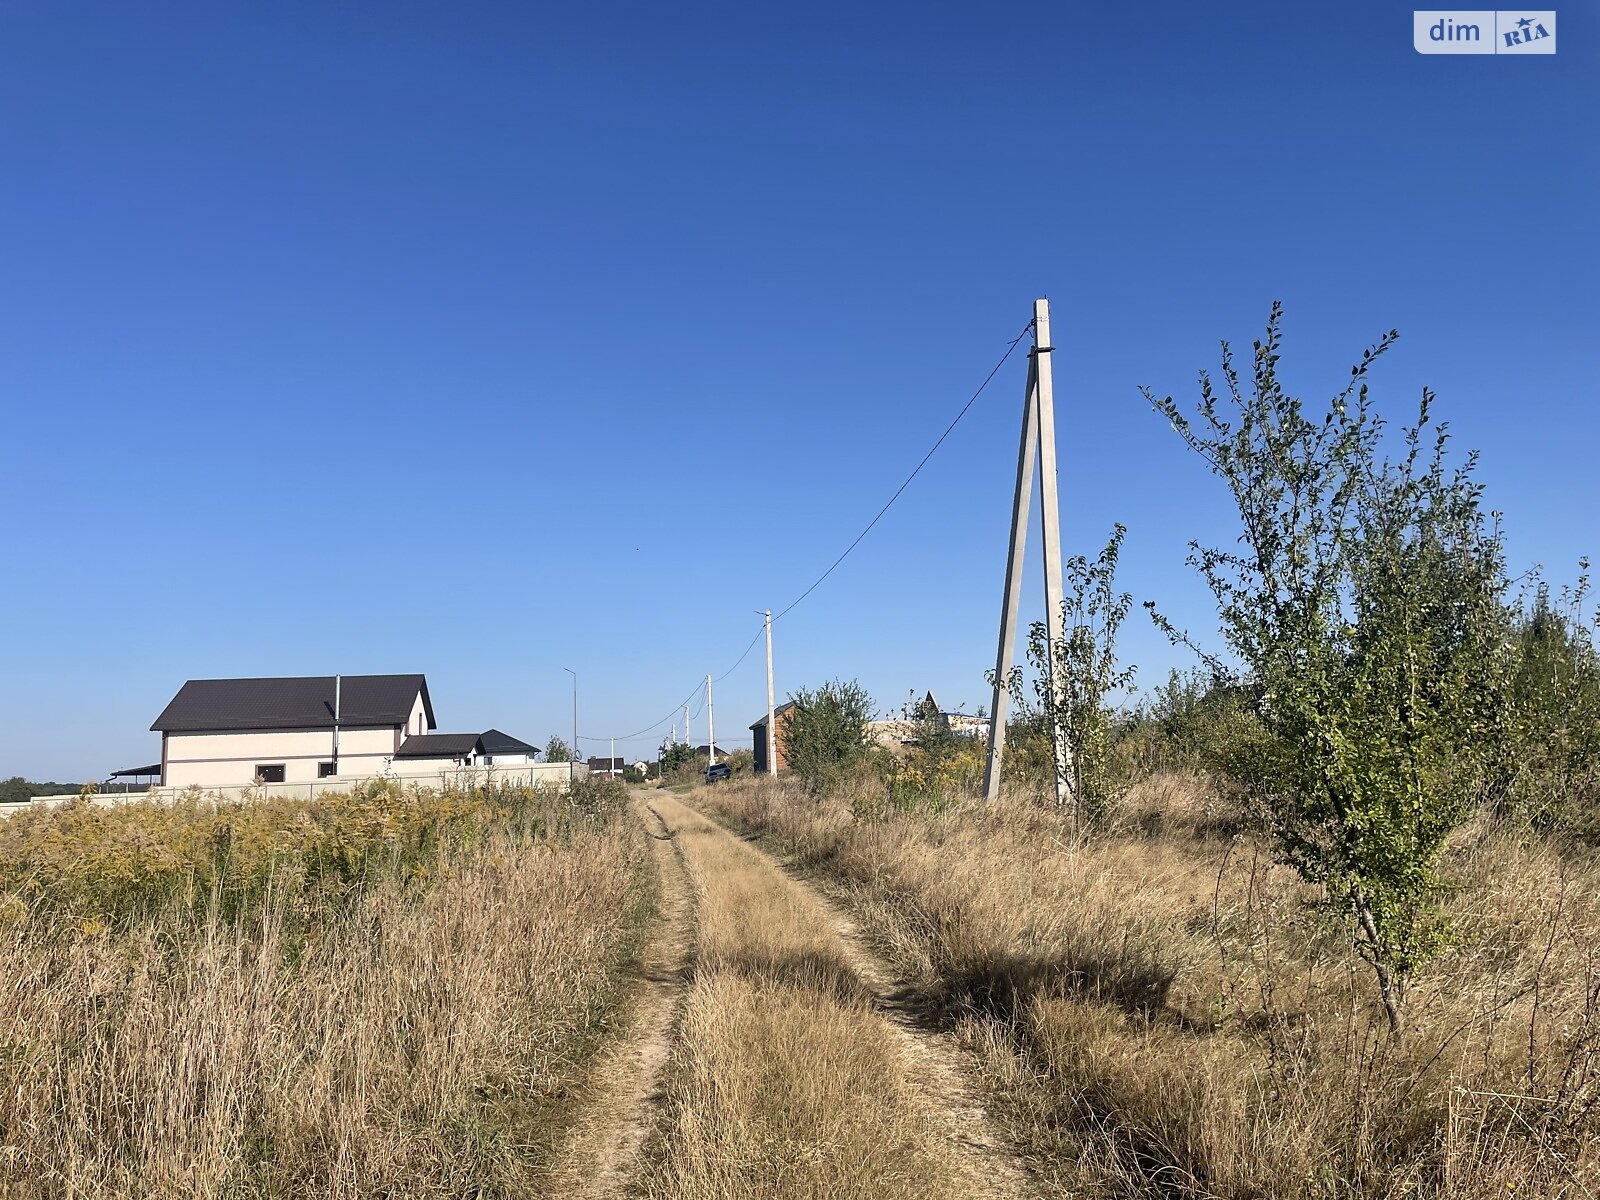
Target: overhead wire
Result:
[917, 470]
[950, 428]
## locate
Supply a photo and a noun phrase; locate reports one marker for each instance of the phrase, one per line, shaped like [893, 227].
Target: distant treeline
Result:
[18, 790]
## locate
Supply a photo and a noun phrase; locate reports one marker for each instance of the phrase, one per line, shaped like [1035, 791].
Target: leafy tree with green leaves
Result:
[1087, 675]
[557, 750]
[826, 734]
[674, 755]
[1553, 772]
[1366, 607]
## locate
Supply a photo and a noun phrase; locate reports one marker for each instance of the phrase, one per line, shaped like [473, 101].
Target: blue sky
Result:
[486, 340]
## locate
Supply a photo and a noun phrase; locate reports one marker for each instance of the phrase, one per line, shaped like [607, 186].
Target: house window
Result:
[488, 760]
[269, 772]
[327, 769]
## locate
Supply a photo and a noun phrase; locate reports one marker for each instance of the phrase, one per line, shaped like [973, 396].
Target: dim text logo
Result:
[1484, 31]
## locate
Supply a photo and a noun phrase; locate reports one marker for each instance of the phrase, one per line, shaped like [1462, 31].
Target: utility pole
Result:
[1038, 439]
[611, 763]
[572, 757]
[772, 729]
[711, 725]
[337, 679]
[686, 738]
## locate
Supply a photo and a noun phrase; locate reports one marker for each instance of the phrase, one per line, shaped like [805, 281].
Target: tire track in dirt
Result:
[935, 1063]
[601, 1159]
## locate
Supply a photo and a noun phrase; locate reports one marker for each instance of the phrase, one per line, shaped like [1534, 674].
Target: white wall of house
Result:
[429, 766]
[511, 760]
[417, 724]
[231, 759]
[555, 775]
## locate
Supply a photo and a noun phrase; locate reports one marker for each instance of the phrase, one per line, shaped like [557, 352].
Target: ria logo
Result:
[1528, 31]
[1484, 31]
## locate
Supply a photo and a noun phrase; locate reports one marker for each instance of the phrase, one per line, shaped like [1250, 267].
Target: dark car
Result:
[718, 771]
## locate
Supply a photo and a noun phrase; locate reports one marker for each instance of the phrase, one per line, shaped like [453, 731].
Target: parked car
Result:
[718, 771]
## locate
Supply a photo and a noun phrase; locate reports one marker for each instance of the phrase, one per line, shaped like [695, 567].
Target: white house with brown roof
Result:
[322, 730]
[221, 732]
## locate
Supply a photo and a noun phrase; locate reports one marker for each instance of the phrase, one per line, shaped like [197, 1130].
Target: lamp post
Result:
[572, 758]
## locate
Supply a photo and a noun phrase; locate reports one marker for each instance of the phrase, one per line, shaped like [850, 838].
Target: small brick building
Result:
[758, 731]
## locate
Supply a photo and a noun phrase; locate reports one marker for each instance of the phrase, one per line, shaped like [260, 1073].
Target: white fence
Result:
[556, 775]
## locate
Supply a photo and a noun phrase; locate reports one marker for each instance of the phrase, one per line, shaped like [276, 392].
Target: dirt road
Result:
[765, 1054]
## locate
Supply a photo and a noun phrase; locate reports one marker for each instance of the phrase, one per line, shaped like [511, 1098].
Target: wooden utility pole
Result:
[772, 729]
[1038, 441]
[711, 726]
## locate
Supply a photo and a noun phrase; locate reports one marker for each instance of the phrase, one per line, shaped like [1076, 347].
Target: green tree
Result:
[557, 750]
[826, 735]
[1086, 674]
[675, 755]
[1556, 711]
[1367, 608]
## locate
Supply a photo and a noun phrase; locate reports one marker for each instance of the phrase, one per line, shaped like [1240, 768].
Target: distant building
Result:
[502, 748]
[607, 766]
[781, 717]
[236, 733]
[439, 751]
[230, 732]
[894, 732]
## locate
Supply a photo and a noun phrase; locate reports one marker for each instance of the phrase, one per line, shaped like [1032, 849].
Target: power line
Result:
[742, 657]
[915, 472]
[674, 711]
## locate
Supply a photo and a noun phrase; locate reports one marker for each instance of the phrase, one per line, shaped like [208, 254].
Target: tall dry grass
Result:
[410, 1033]
[785, 1081]
[1161, 1011]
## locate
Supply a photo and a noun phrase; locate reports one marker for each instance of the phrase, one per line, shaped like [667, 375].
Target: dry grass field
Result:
[464, 994]
[1161, 1012]
[378, 995]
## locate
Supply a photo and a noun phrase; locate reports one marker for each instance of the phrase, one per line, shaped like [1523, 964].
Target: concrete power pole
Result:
[1038, 438]
[686, 736]
[711, 725]
[572, 758]
[772, 728]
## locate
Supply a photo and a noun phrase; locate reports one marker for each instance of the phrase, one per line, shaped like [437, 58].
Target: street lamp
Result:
[573, 757]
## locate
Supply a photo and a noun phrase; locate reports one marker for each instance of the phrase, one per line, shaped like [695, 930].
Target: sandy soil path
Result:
[623, 1097]
[758, 922]
[766, 1051]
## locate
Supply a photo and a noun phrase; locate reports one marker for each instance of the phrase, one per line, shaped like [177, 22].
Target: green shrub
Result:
[826, 736]
[1366, 603]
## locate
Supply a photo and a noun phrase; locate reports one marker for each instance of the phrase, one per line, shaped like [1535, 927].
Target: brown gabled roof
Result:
[439, 745]
[303, 702]
[495, 742]
[785, 707]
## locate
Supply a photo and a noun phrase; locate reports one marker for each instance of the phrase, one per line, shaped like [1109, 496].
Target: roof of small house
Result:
[495, 742]
[152, 769]
[607, 764]
[299, 702]
[439, 745]
[785, 707]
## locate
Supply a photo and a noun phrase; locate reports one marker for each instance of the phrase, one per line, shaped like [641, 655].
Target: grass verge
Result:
[384, 993]
[1162, 1012]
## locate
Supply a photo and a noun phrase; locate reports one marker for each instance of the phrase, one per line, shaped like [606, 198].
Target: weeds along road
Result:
[766, 1056]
